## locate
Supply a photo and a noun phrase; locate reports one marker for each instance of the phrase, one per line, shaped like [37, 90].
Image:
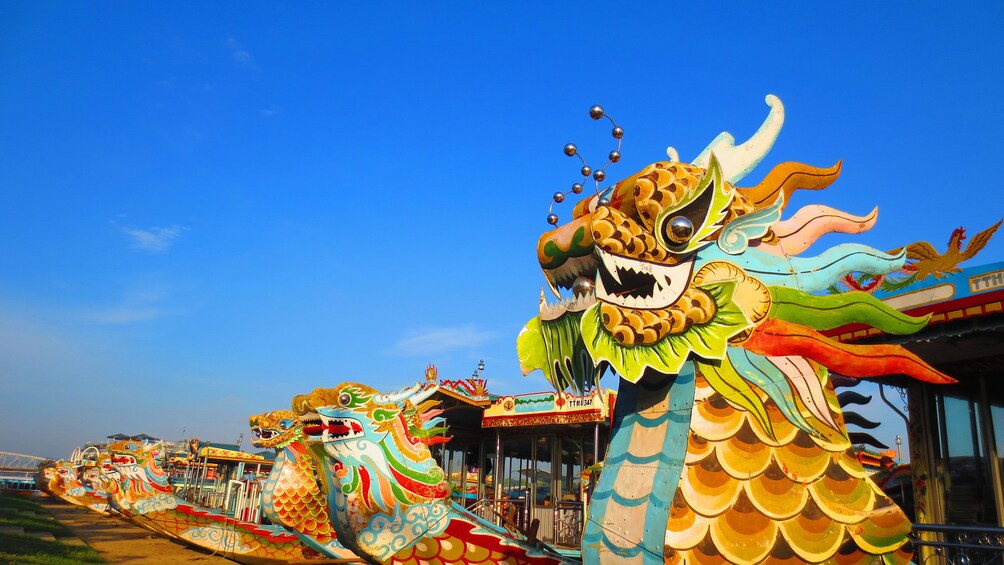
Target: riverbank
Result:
[119, 541]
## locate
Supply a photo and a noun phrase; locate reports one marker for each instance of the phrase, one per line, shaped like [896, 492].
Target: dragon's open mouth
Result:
[632, 283]
[328, 430]
[263, 433]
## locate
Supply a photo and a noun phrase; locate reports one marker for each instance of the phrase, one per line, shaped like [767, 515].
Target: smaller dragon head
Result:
[130, 453]
[138, 470]
[67, 474]
[275, 429]
[379, 443]
[49, 480]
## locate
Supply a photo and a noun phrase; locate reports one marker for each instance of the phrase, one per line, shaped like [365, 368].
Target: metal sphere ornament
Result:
[602, 202]
[615, 156]
[681, 229]
[599, 175]
[596, 112]
[552, 219]
[577, 188]
[571, 149]
[617, 132]
[586, 171]
[583, 286]
[559, 197]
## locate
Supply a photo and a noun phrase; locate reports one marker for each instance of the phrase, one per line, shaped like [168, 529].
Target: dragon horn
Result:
[738, 160]
[422, 395]
[397, 397]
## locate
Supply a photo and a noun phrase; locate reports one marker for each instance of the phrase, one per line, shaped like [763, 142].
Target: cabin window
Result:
[541, 474]
[960, 462]
[573, 460]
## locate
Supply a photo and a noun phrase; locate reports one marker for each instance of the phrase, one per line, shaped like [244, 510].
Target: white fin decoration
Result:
[736, 235]
[799, 232]
[738, 161]
[673, 154]
[801, 375]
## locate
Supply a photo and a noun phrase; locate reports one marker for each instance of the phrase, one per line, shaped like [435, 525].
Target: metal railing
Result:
[937, 544]
[560, 524]
[568, 518]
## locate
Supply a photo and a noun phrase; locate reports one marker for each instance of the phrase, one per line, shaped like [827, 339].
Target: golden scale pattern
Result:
[451, 550]
[299, 502]
[748, 497]
[296, 498]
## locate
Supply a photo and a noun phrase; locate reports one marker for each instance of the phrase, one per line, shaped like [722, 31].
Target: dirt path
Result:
[120, 541]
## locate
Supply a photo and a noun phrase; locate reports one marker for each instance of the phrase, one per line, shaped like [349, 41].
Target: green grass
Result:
[28, 550]
[41, 522]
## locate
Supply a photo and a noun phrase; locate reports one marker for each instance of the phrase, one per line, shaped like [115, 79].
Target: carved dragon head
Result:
[384, 477]
[139, 474]
[378, 440]
[275, 429]
[49, 480]
[676, 263]
[67, 474]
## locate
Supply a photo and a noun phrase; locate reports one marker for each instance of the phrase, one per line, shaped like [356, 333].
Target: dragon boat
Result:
[144, 496]
[725, 441]
[76, 484]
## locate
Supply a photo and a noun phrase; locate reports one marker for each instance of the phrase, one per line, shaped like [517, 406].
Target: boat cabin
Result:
[956, 432]
[523, 461]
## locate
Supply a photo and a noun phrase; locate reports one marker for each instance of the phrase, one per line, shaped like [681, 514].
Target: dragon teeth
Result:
[553, 311]
[670, 281]
[566, 274]
[610, 265]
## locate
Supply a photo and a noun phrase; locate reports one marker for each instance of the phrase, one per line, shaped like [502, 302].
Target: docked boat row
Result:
[256, 510]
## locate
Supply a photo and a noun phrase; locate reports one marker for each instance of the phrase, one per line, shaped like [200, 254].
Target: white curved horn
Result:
[397, 397]
[738, 161]
[421, 396]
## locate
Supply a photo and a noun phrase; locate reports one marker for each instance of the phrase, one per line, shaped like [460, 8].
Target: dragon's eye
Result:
[680, 230]
[676, 228]
[344, 399]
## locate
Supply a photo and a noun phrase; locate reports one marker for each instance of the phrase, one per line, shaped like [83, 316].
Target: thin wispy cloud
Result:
[154, 239]
[440, 340]
[140, 304]
[239, 54]
[124, 315]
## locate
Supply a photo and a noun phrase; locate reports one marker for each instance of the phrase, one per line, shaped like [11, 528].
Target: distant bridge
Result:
[18, 471]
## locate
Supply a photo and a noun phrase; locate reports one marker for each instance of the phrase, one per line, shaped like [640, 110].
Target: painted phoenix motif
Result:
[728, 443]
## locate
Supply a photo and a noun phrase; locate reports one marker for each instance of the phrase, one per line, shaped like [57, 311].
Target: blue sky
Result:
[208, 208]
